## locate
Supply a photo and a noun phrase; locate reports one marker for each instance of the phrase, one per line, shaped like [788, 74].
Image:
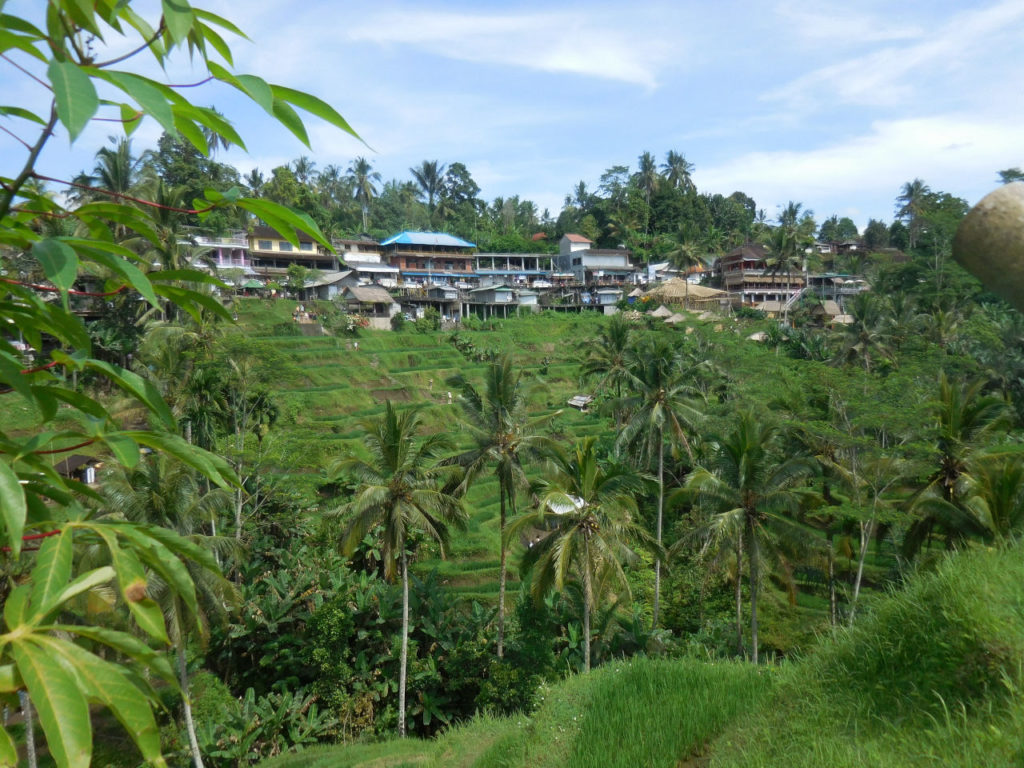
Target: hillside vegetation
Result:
[931, 675]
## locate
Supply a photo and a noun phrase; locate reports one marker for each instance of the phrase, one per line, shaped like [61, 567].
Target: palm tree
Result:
[402, 488]
[965, 416]
[430, 178]
[748, 487]
[608, 355]
[684, 256]
[660, 406]
[164, 493]
[304, 168]
[503, 433]
[995, 495]
[362, 175]
[254, 182]
[676, 171]
[910, 207]
[586, 518]
[864, 340]
[214, 140]
[117, 168]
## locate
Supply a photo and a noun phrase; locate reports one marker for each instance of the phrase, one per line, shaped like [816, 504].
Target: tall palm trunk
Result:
[501, 574]
[866, 531]
[403, 662]
[661, 504]
[190, 726]
[588, 590]
[753, 585]
[739, 592]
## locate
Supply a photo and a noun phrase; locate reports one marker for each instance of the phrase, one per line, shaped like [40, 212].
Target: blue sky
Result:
[832, 104]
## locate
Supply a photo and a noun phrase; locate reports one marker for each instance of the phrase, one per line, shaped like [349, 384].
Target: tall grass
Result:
[932, 675]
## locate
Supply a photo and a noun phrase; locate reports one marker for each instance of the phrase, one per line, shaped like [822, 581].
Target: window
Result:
[305, 246]
[265, 245]
[284, 245]
[577, 261]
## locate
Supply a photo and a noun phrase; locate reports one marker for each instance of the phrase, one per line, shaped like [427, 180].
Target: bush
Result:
[431, 321]
[398, 322]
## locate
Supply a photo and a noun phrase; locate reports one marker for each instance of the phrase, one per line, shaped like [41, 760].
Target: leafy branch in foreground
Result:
[49, 638]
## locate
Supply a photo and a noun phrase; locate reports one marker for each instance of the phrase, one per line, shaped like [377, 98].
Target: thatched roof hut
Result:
[691, 296]
[662, 311]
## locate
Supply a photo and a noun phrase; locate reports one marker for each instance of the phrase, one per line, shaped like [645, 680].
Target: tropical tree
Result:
[585, 524]
[163, 492]
[910, 207]
[965, 417]
[49, 648]
[607, 357]
[365, 179]
[429, 175]
[748, 488]
[304, 168]
[661, 405]
[503, 435]
[676, 171]
[402, 488]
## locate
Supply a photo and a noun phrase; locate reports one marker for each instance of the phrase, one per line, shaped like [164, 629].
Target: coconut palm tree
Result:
[403, 488]
[162, 492]
[995, 495]
[676, 171]
[304, 169]
[585, 516]
[503, 435]
[748, 488]
[910, 207]
[365, 179]
[965, 417]
[607, 357]
[429, 175]
[660, 406]
[254, 182]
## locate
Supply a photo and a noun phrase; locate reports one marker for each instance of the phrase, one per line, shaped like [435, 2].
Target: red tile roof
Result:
[578, 239]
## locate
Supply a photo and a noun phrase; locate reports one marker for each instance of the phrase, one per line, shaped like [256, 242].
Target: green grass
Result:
[932, 675]
[627, 714]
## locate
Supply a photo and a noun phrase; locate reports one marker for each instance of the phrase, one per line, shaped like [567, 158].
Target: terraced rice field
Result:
[324, 385]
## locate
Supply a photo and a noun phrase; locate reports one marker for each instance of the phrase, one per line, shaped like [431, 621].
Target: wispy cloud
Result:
[884, 77]
[578, 43]
[835, 24]
[954, 152]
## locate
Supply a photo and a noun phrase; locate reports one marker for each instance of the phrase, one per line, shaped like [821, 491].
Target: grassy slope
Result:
[639, 713]
[931, 675]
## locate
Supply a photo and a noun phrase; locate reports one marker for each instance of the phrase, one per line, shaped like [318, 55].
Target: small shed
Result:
[608, 296]
[493, 294]
[581, 402]
[370, 300]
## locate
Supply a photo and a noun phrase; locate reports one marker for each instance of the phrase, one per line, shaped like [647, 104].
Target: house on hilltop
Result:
[430, 257]
[745, 273]
[594, 266]
[272, 254]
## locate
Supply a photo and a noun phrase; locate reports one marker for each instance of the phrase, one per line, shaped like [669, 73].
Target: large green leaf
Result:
[74, 95]
[127, 645]
[290, 119]
[135, 385]
[178, 19]
[8, 751]
[12, 504]
[314, 106]
[52, 571]
[146, 95]
[58, 260]
[62, 709]
[82, 583]
[161, 560]
[110, 685]
[132, 580]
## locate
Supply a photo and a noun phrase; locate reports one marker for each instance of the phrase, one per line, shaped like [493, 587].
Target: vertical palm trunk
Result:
[190, 726]
[501, 574]
[661, 504]
[752, 544]
[404, 660]
[866, 531]
[833, 613]
[739, 592]
[588, 589]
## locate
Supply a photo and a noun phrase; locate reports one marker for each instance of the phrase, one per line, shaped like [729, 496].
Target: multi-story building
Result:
[271, 254]
[593, 266]
[744, 272]
[430, 257]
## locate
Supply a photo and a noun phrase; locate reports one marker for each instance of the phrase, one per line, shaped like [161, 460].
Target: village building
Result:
[593, 266]
[272, 254]
[430, 257]
[745, 274]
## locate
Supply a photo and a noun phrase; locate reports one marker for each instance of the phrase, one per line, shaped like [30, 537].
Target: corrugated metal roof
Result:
[428, 238]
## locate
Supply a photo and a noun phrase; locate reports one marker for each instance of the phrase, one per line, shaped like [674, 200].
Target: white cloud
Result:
[837, 25]
[958, 153]
[577, 43]
[891, 75]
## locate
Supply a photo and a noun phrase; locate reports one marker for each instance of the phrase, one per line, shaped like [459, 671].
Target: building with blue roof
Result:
[431, 257]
